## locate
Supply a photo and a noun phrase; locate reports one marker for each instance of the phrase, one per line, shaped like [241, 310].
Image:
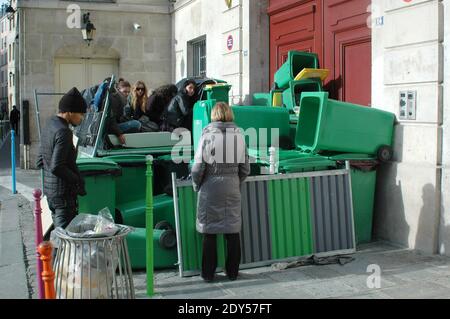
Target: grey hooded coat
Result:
[221, 165]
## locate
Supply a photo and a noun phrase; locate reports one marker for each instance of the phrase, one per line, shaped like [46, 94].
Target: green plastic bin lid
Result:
[352, 157]
[127, 158]
[96, 164]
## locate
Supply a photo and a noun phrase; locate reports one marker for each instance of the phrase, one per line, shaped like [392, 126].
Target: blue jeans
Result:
[130, 126]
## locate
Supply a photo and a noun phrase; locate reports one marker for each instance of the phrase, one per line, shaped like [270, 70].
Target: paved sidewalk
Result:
[17, 256]
[404, 274]
[17, 242]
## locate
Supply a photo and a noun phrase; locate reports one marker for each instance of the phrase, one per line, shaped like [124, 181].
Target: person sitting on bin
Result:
[135, 109]
[118, 124]
[217, 175]
[137, 101]
[158, 102]
[179, 111]
[57, 157]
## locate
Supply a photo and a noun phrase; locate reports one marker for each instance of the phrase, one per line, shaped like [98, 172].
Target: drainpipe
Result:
[440, 243]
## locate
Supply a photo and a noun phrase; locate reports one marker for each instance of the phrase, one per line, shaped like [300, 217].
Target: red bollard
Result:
[39, 238]
[48, 275]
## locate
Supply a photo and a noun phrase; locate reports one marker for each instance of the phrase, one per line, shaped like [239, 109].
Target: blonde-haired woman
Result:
[138, 99]
[136, 109]
[221, 166]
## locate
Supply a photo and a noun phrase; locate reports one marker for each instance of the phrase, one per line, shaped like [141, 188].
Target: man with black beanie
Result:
[62, 179]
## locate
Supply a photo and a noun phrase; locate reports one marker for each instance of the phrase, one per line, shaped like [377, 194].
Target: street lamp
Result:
[88, 29]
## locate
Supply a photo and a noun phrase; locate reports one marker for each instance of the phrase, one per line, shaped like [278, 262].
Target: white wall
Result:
[408, 55]
[444, 240]
[246, 65]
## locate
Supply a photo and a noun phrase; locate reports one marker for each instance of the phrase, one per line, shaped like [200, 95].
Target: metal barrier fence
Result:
[284, 217]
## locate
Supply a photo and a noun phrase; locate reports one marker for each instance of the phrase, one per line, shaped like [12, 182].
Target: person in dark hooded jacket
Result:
[179, 110]
[221, 165]
[57, 157]
[158, 102]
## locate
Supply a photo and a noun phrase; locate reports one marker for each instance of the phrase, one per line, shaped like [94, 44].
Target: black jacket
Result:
[179, 112]
[14, 116]
[116, 113]
[58, 159]
[155, 108]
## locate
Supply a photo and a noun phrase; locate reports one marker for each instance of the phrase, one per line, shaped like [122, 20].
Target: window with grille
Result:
[199, 57]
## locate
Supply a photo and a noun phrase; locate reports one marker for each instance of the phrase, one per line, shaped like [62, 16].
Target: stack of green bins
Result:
[355, 133]
[130, 198]
[100, 184]
[295, 63]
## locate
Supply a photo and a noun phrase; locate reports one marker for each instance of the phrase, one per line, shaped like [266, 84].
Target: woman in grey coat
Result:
[221, 165]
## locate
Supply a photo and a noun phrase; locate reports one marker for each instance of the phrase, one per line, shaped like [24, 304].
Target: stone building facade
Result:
[50, 50]
[409, 58]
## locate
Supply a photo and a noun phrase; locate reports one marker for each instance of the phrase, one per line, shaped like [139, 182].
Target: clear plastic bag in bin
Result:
[90, 226]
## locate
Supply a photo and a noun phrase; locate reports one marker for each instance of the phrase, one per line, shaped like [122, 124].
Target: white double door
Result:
[82, 73]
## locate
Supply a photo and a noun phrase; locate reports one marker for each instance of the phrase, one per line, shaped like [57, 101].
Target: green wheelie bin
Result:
[363, 174]
[164, 248]
[130, 186]
[292, 95]
[218, 92]
[100, 183]
[330, 125]
[295, 63]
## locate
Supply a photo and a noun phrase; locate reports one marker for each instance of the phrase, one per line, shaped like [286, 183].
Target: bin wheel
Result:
[168, 239]
[118, 218]
[385, 153]
[164, 224]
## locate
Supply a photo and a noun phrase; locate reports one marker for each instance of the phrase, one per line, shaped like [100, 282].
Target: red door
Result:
[348, 50]
[294, 25]
[334, 29]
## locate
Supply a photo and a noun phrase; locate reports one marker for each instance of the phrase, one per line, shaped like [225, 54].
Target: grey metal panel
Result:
[331, 210]
[255, 234]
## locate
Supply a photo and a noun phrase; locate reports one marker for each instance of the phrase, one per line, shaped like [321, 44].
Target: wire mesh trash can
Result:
[93, 268]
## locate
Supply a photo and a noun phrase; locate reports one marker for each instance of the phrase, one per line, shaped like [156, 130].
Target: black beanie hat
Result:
[73, 102]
